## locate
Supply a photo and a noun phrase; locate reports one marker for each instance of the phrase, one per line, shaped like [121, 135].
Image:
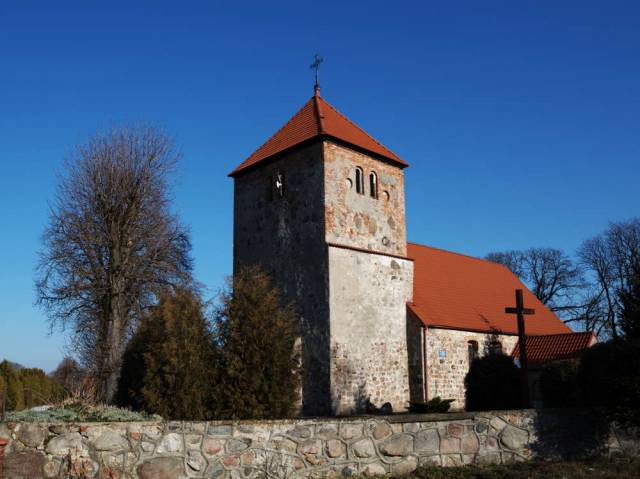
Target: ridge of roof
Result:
[246, 163]
[392, 155]
[468, 256]
[319, 117]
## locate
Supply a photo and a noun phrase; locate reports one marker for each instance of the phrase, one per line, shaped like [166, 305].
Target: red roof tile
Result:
[317, 118]
[455, 291]
[551, 347]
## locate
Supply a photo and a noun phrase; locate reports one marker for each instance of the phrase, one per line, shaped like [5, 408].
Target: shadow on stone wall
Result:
[570, 434]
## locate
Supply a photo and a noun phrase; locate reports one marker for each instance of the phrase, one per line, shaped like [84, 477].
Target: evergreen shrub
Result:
[493, 382]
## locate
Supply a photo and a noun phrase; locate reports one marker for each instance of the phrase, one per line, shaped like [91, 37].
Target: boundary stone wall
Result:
[301, 448]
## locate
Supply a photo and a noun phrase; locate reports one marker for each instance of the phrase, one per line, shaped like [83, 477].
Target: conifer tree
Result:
[42, 388]
[13, 387]
[256, 337]
[168, 368]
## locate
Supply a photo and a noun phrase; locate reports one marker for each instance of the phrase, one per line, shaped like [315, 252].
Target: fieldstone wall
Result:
[299, 448]
[285, 236]
[359, 220]
[448, 360]
[368, 295]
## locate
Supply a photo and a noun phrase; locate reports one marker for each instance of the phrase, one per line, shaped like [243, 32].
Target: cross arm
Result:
[519, 310]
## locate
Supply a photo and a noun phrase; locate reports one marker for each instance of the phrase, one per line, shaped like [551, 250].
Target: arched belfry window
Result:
[359, 181]
[373, 184]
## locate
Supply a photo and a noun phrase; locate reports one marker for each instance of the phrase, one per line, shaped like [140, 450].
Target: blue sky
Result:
[520, 119]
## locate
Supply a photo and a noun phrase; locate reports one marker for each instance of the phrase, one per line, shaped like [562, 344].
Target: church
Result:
[320, 206]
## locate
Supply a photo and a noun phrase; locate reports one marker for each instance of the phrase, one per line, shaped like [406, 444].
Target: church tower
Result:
[320, 207]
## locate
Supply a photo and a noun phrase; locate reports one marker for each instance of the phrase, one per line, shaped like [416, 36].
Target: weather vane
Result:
[316, 66]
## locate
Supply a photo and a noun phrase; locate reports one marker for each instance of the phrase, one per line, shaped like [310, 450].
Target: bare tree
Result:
[111, 244]
[612, 260]
[70, 376]
[550, 274]
[513, 259]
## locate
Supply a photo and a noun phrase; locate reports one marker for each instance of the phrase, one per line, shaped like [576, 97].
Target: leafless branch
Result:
[112, 242]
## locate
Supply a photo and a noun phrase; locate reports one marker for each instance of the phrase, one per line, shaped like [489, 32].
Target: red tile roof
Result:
[541, 349]
[455, 291]
[317, 118]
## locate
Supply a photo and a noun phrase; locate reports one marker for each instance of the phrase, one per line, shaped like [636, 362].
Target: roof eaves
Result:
[273, 157]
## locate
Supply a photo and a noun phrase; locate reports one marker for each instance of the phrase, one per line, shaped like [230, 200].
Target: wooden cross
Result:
[316, 66]
[521, 311]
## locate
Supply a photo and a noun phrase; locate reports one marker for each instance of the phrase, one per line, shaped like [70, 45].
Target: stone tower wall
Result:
[285, 236]
[358, 220]
[368, 296]
[339, 256]
[368, 288]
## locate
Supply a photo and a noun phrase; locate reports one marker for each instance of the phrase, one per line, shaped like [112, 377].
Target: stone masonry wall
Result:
[358, 220]
[285, 236]
[445, 373]
[368, 296]
[299, 448]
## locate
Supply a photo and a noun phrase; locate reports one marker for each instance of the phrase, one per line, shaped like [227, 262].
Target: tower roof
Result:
[317, 118]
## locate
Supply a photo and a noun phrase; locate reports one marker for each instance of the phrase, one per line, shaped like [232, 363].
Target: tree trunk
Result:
[112, 344]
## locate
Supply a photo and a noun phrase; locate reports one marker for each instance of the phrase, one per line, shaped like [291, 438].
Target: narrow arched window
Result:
[373, 184]
[280, 184]
[359, 181]
[472, 349]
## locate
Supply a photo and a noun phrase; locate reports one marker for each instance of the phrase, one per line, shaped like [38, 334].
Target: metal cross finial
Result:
[316, 66]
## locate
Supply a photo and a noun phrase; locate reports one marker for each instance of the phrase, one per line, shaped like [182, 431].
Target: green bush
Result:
[12, 387]
[169, 365]
[434, 405]
[559, 384]
[256, 338]
[493, 382]
[609, 378]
